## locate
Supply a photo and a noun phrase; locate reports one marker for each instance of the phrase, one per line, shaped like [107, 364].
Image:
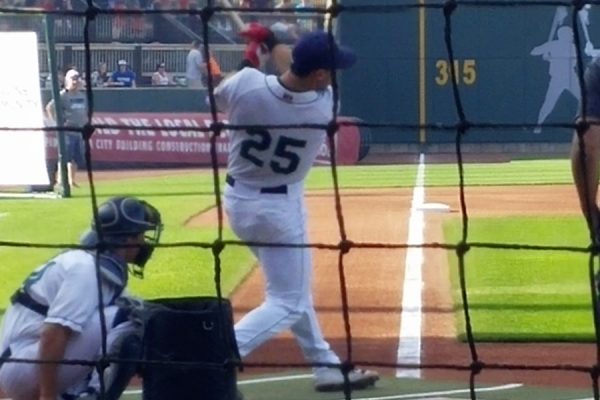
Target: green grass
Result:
[376, 176]
[528, 172]
[539, 172]
[524, 295]
[171, 272]
[189, 271]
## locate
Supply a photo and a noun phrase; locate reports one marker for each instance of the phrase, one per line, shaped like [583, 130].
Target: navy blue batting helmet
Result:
[122, 217]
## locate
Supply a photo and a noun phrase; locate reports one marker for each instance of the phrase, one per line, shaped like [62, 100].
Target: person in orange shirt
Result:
[214, 69]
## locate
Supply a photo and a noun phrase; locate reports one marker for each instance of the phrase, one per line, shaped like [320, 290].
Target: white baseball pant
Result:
[288, 304]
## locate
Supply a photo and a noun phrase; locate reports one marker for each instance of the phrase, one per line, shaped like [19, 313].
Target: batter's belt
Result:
[282, 189]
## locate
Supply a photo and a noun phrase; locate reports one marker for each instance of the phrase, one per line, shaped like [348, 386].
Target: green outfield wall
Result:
[515, 65]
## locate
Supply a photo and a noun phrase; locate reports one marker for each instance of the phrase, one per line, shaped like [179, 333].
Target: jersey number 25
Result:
[261, 141]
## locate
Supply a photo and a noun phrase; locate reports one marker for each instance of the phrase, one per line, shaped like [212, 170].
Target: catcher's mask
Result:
[122, 217]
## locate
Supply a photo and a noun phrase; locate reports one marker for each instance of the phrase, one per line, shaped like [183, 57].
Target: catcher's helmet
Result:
[122, 217]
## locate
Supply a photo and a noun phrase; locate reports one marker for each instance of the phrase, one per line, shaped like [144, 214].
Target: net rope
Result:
[460, 128]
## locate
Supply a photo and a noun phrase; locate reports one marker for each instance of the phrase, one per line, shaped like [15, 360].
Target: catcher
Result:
[55, 314]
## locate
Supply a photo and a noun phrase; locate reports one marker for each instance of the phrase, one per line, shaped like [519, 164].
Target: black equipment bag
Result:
[192, 329]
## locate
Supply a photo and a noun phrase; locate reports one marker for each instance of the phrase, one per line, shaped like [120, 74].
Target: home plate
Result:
[434, 207]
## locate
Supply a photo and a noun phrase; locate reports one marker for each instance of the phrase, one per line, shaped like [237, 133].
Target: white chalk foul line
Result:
[409, 346]
[441, 393]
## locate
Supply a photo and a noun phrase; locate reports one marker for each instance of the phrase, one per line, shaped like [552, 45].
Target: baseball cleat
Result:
[332, 380]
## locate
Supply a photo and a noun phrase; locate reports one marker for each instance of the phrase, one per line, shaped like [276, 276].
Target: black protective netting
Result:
[462, 126]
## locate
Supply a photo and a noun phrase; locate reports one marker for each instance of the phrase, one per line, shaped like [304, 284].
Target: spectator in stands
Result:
[123, 76]
[196, 68]
[119, 21]
[252, 4]
[286, 28]
[64, 5]
[262, 3]
[160, 77]
[193, 21]
[136, 23]
[48, 5]
[156, 5]
[162, 23]
[100, 77]
[306, 22]
[285, 4]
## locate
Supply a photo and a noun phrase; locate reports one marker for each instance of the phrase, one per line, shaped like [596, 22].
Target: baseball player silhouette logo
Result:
[560, 53]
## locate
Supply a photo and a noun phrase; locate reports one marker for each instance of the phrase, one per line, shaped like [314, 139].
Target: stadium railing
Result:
[141, 57]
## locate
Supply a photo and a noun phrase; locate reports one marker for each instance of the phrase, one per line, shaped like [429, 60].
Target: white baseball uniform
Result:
[66, 287]
[264, 201]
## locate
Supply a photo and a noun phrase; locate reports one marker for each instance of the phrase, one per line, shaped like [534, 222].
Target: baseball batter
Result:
[55, 313]
[264, 194]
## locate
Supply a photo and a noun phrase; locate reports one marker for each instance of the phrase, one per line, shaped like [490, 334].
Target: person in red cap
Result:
[261, 47]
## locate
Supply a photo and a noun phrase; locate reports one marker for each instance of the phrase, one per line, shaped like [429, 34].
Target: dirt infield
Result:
[375, 280]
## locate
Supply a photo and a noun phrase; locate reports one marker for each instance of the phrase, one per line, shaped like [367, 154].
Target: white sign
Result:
[22, 153]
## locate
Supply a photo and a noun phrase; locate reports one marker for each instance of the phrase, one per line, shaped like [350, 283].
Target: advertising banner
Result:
[170, 139]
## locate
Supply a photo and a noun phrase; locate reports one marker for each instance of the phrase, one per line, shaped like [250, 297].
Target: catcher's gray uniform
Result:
[55, 314]
[63, 291]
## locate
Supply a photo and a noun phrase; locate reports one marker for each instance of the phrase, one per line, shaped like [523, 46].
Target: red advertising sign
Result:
[178, 143]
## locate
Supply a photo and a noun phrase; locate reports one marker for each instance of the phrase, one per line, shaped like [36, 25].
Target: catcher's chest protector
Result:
[198, 330]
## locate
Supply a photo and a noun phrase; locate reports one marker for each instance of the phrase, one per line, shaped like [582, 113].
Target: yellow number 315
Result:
[466, 72]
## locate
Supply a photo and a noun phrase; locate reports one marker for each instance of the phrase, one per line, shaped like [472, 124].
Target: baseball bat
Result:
[281, 54]
[559, 16]
[584, 19]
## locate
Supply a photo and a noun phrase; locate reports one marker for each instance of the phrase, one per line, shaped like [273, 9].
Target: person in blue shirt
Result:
[123, 76]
